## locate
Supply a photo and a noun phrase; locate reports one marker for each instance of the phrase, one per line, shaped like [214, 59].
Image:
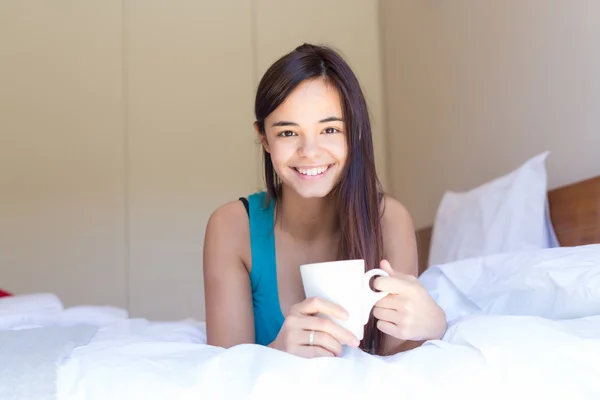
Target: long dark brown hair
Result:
[358, 194]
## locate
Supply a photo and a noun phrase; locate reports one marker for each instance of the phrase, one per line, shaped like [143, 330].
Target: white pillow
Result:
[507, 214]
[559, 283]
[34, 303]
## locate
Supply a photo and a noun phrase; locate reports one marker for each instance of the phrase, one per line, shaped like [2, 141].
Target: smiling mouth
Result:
[316, 171]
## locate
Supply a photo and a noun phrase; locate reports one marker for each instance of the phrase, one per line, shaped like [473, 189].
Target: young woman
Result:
[323, 202]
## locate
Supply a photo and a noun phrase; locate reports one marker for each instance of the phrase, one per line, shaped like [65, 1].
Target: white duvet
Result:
[522, 326]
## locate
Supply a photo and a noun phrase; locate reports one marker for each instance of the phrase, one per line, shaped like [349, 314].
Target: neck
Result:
[307, 219]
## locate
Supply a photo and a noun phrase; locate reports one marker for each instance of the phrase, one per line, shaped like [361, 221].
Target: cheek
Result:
[339, 150]
[281, 153]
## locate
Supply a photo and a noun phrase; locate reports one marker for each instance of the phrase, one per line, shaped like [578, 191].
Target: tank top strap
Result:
[262, 240]
[263, 275]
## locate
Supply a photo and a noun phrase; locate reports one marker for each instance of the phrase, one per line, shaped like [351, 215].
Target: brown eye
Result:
[331, 130]
[286, 133]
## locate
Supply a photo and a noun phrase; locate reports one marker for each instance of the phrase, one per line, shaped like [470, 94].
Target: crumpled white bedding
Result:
[45, 309]
[522, 326]
[30, 358]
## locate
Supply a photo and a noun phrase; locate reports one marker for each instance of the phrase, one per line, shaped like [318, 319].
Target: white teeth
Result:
[312, 171]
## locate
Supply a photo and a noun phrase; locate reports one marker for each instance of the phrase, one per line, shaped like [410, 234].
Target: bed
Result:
[574, 212]
[522, 325]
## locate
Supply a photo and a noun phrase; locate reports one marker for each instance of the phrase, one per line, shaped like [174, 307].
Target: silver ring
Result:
[311, 338]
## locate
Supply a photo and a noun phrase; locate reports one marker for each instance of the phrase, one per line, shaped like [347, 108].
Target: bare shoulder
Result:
[399, 238]
[228, 298]
[395, 215]
[230, 216]
[228, 230]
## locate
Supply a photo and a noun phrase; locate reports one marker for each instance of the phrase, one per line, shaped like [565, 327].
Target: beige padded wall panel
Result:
[191, 142]
[61, 150]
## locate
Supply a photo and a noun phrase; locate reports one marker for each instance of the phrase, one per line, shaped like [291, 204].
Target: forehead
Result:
[309, 102]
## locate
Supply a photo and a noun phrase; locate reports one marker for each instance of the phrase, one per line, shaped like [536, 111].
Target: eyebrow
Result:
[331, 119]
[288, 123]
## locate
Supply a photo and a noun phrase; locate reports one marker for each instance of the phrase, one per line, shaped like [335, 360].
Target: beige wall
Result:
[188, 99]
[474, 88]
[62, 194]
[123, 124]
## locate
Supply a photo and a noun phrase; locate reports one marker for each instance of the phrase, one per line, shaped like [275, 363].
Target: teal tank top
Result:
[268, 317]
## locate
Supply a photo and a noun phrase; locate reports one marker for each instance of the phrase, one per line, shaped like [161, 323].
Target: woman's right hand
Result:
[328, 336]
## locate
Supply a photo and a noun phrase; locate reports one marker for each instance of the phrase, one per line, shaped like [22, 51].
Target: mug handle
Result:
[370, 297]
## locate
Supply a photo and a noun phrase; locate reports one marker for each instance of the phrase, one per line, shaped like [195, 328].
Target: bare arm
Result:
[228, 295]
[400, 249]
[399, 238]
[227, 289]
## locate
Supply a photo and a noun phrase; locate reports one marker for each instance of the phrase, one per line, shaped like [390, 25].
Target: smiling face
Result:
[306, 139]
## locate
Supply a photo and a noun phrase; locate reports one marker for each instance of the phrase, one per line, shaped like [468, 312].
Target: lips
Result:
[314, 171]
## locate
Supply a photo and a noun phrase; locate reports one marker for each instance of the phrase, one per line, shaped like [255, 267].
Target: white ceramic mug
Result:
[347, 284]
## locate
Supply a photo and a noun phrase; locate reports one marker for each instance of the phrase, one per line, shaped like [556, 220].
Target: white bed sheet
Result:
[494, 357]
[497, 346]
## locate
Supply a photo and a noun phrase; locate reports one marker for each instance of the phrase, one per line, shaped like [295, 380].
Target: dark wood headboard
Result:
[574, 211]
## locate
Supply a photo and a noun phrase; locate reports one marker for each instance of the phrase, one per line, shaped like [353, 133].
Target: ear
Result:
[262, 137]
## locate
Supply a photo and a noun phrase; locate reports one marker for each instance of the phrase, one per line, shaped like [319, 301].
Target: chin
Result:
[313, 194]
[311, 191]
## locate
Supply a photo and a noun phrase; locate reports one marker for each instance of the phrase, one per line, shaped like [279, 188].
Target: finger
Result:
[321, 339]
[390, 284]
[386, 314]
[391, 329]
[387, 267]
[398, 284]
[314, 305]
[326, 325]
[392, 302]
[312, 352]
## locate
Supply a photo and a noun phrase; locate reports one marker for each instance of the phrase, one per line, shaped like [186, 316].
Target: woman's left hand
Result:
[408, 312]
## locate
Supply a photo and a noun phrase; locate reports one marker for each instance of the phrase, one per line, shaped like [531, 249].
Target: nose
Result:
[310, 147]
